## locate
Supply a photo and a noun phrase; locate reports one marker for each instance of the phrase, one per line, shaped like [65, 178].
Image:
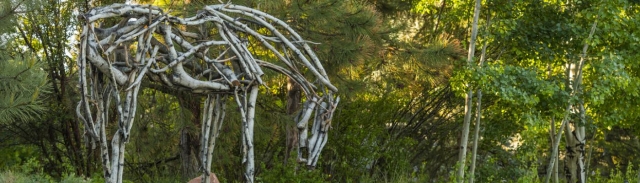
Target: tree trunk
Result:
[468, 99]
[574, 165]
[476, 138]
[574, 161]
[188, 152]
[576, 134]
[553, 158]
[462, 157]
[293, 105]
[554, 155]
[189, 138]
[564, 127]
[476, 135]
[556, 142]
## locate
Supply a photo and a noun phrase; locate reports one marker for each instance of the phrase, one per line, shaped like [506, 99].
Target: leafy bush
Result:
[14, 177]
[19, 177]
[628, 175]
[291, 172]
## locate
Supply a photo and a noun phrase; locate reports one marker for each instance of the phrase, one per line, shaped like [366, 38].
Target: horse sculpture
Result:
[211, 54]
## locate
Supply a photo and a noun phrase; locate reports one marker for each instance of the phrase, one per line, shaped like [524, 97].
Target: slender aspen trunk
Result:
[575, 147]
[465, 136]
[588, 160]
[468, 99]
[552, 133]
[555, 168]
[571, 161]
[476, 136]
[556, 142]
[575, 133]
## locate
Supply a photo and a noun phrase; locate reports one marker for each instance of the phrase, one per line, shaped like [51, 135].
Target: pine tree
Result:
[22, 80]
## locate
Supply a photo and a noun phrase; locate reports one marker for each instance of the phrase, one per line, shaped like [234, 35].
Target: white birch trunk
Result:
[553, 157]
[476, 136]
[251, 110]
[575, 146]
[464, 139]
[462, 158]
[556, 142]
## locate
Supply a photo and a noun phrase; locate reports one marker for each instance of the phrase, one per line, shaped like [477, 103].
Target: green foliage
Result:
[517, 85]
[290, 173]
[619, 175]
[8, 15]
[22, 81]
[14, 177]
[13, 157]
[37, 86]
[347, 155]
[72, 178]
[530, 176]
[19, 177]
[397, 65]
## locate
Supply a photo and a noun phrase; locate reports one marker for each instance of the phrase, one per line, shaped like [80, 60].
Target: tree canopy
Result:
[542, 75]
